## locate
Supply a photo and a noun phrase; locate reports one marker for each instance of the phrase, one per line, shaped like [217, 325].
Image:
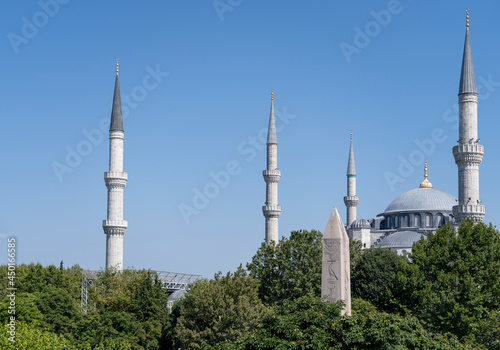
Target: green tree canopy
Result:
[452, 283]
[309, 323]
[221, 310]
[373, 274]
[290, 269]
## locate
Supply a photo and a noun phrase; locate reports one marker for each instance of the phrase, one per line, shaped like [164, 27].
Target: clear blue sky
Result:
[399, 88]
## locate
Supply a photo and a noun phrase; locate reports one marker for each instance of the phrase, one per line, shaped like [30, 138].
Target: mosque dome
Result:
[422, 199]
[360, 223]
[400, 239]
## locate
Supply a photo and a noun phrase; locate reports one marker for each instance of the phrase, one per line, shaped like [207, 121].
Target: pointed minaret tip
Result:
[116, 112]
[351, 167]
[335, 227]
[271, 131]
[467, 76]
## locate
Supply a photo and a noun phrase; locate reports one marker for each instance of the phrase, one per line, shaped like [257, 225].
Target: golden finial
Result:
[272, 94]
[425, 183]
[117, 66]
[467, 22]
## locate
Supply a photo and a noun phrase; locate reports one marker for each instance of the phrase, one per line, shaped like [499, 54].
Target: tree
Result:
[452, 283]
[59, 312]
[309, 323]
[25, 310]
[221, 310]
[373, 274]
[290, 269]
[29, 337]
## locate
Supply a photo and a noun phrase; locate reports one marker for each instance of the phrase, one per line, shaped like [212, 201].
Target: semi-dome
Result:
[422, 199]
[360, 223]
[401, 239]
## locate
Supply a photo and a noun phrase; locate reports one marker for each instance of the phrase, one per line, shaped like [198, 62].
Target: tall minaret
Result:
[272, 175]
[468, 153]
[115, 179]
[351, 200]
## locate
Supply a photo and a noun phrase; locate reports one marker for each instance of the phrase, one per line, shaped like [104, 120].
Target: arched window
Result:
[418, 221]
[428, 220]
[439, 220]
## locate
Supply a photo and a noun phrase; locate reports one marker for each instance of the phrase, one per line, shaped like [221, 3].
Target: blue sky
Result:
[196, 80]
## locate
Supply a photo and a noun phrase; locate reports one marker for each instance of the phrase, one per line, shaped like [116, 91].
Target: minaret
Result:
[351, 200]
[272, 175]
[468, 153]
[115, 179]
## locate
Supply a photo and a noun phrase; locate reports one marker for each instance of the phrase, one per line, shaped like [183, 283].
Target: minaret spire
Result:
[272, 176]
[467, 76]
[114, 226]
[468, 153]
[351, 200]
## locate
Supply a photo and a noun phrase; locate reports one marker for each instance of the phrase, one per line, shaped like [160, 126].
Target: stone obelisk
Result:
[335, 274]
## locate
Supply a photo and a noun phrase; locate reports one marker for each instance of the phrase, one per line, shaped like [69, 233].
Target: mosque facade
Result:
[419, 211]
[415, 213]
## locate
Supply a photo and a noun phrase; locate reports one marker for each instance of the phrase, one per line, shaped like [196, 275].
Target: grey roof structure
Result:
[116, 113]
[351, 167]
[271, 131]
[176, 295]
[360, 223]
[467, 76]
[401, 239]
[422, 199]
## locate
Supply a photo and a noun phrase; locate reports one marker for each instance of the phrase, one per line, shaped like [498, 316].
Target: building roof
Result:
[360, 223]
[422, 199]
[401, 239]
[467, 77]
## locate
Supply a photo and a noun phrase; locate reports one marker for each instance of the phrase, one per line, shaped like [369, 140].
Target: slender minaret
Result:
[351, 200]
[468, 153]
[272, 175]
[115, 179]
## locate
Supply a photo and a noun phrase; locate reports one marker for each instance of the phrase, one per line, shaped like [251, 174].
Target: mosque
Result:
[418, 211]
[405, 220]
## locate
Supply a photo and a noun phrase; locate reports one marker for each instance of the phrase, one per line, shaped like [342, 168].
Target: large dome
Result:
[422, 199]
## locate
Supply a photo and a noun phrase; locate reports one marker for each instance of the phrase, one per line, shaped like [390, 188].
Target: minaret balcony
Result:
[272, 175]
[468, 148]
[351, 201]
[115, 175]
[271, 211]
[468, 153]
[114, 226]
[115, 179]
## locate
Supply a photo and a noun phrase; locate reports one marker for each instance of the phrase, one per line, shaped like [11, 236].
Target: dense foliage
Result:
[128, 310]
[223, 310]
[290, 269]
[453, 282]
[445, 296]
[373, 275]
